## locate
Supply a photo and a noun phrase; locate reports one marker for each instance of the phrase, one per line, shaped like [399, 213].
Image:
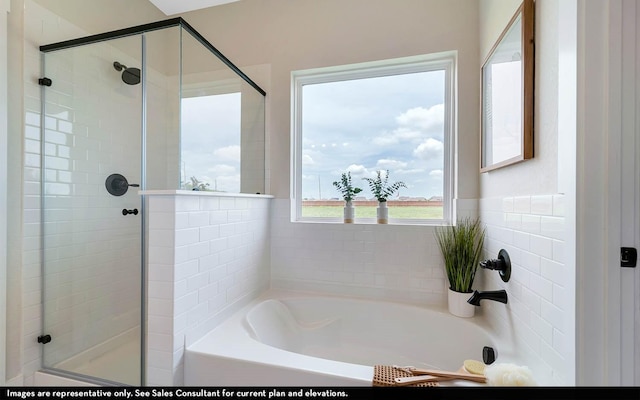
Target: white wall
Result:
[14, 197]
[208, 256]
[538, 175]
[4, 10]
[524, 212]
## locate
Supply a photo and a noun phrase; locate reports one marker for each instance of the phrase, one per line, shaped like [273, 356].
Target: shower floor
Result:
[117, 360]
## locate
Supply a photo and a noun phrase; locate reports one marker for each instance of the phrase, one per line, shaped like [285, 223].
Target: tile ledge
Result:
[201, 193]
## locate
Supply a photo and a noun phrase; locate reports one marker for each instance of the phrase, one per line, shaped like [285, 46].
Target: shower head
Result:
[130, 76]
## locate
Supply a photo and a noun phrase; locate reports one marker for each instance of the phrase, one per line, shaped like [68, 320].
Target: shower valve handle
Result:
[126, 212]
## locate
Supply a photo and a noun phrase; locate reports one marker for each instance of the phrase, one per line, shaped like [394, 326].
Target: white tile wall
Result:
[385, 262]
[531, 229]
[208, 256]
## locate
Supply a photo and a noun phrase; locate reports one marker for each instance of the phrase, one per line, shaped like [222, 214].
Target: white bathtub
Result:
[297, 340]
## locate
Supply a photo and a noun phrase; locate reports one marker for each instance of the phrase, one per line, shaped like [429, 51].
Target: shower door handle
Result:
[127, 212]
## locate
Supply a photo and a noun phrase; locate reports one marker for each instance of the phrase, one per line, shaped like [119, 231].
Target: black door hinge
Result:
[44, 339]
[45, 81]
[628, 257]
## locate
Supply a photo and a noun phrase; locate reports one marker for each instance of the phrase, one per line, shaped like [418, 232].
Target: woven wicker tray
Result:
[384, 375]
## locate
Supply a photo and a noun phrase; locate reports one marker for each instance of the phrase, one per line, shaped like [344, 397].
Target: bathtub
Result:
[290, 339]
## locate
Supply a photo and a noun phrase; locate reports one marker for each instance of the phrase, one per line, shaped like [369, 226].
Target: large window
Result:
[395, 116]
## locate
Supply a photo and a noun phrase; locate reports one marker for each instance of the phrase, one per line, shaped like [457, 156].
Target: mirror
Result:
[507, 93]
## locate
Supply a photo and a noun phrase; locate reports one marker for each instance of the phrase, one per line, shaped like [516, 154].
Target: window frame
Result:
[446, 61]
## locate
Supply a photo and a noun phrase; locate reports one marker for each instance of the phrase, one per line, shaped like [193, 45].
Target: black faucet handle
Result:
[493, 264]
[501, 264]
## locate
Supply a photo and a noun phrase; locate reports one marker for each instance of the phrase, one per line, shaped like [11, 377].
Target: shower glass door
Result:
[92, 219]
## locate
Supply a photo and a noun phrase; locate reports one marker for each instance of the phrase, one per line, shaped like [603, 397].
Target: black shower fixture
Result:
[130, 76]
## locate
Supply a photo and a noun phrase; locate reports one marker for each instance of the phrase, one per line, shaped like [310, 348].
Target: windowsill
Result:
[371, 221]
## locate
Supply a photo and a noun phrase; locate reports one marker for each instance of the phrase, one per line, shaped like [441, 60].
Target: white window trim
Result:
[446, 61]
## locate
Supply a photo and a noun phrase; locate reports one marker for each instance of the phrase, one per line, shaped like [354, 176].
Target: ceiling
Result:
[171, 7]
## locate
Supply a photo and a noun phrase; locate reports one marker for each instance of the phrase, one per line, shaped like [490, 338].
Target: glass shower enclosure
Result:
[151, 107]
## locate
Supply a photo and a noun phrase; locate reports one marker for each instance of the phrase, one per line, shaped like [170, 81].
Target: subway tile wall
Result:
[536, 318]
[385, 262]
[208, 256]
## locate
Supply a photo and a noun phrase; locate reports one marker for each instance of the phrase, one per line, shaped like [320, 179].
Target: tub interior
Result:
[366, 333]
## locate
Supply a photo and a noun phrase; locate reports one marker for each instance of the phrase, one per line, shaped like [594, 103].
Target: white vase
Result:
[383, 212]
[349, 213]
[458, 305]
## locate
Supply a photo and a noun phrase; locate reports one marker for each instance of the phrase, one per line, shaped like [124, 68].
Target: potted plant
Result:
[381, 190]
[461, 247]
[345, 186]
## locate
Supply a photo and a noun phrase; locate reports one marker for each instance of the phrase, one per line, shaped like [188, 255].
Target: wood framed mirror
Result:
[507, 94]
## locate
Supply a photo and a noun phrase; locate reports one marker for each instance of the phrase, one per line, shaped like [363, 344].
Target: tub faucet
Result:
[495, 295]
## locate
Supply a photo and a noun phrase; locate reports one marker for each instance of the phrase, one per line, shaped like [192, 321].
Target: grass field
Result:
[406, 212]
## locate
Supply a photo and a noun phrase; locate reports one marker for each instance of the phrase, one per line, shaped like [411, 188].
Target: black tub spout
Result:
[495, 295]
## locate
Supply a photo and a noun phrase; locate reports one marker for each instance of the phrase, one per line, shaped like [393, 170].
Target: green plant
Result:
[345, 186]
[381, 189]
[461, 247]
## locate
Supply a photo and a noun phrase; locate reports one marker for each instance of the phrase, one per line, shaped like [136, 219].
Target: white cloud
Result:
[229, 153]
[415, 124]
[401, 134]
[222, 169]
[229, 183]
[429, 149]
[357, 170]
[411, 171]
[307, 160]
[424, 118]
[222, 177]
[436, 173]
[390, 164]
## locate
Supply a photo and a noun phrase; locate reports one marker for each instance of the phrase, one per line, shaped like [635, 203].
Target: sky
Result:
[211, 140]
[365, 125]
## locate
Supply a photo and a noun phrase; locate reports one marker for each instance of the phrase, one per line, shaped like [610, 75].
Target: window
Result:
[394, 115]
[211, 142]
